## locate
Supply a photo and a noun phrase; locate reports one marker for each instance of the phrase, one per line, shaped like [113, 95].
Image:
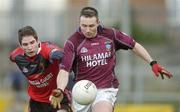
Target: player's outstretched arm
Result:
[62, 79]
[156, 68]
[58, 94]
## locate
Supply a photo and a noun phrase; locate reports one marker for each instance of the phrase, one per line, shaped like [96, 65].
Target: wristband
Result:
[57, 92]
[153, 62]
[60, 90]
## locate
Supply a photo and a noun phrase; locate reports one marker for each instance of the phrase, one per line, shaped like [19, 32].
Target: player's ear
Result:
[98, 21]
[38, 41]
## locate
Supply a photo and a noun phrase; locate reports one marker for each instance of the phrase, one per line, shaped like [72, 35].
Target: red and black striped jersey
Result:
[41, 70]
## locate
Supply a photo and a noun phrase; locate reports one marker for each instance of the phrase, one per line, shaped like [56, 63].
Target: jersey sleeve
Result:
[14, 54]
[51, 51]
[123, 41]
[54, 52]
[69, 55]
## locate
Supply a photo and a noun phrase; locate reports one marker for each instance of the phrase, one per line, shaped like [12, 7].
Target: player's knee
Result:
[102, 106]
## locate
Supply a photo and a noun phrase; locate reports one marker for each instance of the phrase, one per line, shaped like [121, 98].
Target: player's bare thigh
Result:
[102, 106]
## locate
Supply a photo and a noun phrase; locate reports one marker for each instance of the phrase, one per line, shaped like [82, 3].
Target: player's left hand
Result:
[158, 70]
[56, 97]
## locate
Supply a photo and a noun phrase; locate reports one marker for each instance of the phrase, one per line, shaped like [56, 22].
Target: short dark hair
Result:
[26, 31]
[89, 12]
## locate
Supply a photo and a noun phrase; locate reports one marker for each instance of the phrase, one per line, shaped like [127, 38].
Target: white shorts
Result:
[107, 94]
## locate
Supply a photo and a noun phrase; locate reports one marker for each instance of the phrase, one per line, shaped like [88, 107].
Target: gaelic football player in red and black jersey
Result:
[39, 62]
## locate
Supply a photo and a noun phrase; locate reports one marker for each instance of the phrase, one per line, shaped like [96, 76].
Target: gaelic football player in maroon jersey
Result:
[90, 54]
[39, 62]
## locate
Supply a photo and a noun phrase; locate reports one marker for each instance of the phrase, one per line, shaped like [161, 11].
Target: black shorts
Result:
[35, 106]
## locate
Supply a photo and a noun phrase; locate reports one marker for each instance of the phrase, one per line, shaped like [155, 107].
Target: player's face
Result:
[30, 45]
[89, 26]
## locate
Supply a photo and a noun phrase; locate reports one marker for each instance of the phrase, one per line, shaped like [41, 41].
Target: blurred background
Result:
[153, 23]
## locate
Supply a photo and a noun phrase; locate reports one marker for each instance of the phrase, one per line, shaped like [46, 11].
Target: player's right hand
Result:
[56, 97]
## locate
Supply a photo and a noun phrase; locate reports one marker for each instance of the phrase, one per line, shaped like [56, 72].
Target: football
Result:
[84, 92]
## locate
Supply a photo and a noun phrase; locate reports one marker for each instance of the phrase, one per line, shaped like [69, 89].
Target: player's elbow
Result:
[56, 55]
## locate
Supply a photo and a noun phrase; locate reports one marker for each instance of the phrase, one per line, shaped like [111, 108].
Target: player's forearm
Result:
[62, 79]
[142, 52]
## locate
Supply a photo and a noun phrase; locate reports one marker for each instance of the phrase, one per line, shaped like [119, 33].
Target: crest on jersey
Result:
[83, 50]
[24, 69]
[108, 46]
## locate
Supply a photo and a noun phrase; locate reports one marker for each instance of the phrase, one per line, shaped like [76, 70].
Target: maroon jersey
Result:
[94, 59]
[40, 70]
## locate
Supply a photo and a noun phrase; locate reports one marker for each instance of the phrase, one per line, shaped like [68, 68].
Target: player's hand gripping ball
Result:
[84, 92]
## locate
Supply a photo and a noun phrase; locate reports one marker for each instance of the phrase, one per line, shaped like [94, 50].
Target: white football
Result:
[84, 92]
